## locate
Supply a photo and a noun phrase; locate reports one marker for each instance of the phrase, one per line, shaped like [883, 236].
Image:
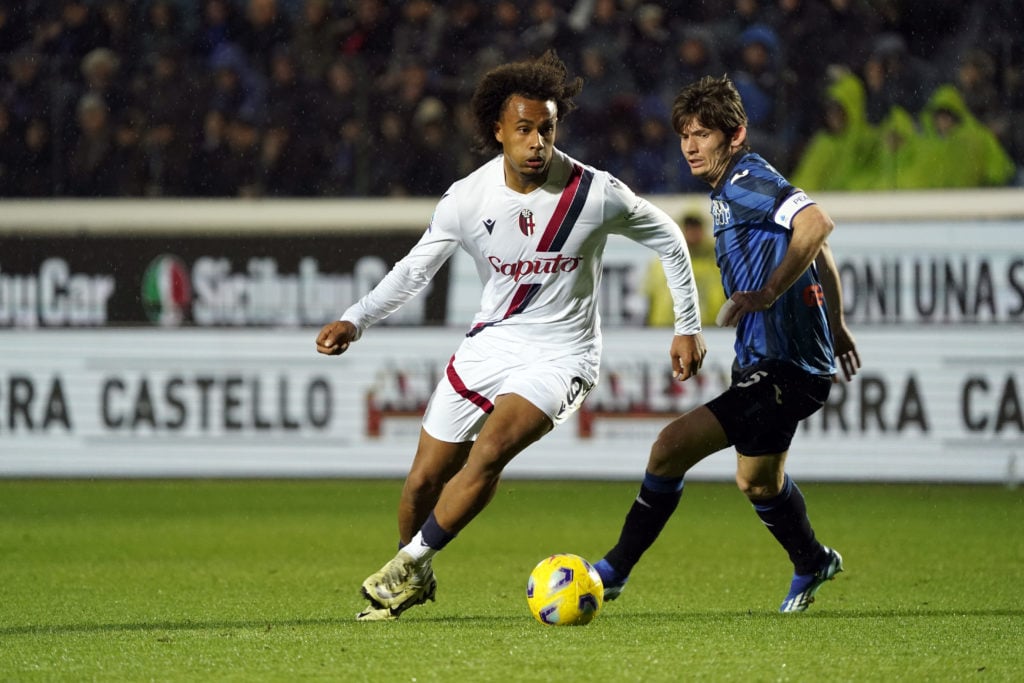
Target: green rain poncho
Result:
[901, 163]
[968, 155]
[844, 159]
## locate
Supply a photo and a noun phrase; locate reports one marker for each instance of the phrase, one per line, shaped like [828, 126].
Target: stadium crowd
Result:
[306, 98]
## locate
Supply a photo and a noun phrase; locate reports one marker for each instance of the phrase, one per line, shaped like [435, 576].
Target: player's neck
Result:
[524, 184]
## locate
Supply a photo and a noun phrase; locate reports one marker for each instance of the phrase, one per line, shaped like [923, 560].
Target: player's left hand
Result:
[741, 303]
[687, 352]
[847, 356]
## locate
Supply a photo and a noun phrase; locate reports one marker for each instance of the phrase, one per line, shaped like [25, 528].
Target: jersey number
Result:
[754, 379]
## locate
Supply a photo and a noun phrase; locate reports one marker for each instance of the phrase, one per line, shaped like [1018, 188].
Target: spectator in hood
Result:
[845, 147]
[236, 87]
[901, 164]
[960, 150]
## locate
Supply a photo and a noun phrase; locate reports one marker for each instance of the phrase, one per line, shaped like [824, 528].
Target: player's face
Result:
[526, 131]
[708, 151]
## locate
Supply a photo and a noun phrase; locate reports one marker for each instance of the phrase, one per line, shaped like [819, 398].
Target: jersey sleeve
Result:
[792, 204]
[648, 225]
[757, 193]
[413, 272]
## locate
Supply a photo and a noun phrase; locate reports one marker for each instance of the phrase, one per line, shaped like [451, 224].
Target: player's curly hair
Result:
[544, 78]
[715, 102]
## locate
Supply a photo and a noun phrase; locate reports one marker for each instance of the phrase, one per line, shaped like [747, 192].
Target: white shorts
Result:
[480, 371]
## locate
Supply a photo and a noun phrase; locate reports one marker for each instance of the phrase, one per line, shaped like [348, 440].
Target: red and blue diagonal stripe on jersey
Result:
[520, 300]
[570, 206]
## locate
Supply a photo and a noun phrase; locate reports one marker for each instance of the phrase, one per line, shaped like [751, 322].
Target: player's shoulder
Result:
[597, 175]
[488, 174]
[754, 165]
[602, 184]
[475, 188]
[750, 173]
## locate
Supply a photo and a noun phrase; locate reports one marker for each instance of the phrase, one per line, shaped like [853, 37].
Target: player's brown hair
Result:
[544, 78]
[714, 102]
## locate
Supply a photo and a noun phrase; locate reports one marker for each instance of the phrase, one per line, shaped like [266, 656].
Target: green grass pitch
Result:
[258, 581]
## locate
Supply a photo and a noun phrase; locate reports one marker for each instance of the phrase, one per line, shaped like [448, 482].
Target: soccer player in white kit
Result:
[535, 221]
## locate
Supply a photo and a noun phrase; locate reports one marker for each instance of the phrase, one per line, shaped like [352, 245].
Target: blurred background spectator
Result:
[843, 152]
[901, 163]
[367, 97]
[961, 151]
[701, 244]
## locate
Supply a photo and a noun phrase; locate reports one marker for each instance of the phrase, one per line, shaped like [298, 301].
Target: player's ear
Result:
[739, 138]
[497, 132]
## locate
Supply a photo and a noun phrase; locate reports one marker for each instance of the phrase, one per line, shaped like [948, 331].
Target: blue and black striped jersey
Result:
[753, 207]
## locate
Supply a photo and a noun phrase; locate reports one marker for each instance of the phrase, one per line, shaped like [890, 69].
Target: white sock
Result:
[418, 549]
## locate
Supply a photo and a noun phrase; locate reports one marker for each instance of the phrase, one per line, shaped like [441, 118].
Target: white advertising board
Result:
[932, 404]
[917, 272]
[934, 285]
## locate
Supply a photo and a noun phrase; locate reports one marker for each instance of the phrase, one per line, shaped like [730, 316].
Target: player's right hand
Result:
[687, 353]
[335, 337]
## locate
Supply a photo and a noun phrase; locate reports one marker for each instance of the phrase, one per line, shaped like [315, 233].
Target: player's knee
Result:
[425, 483]
[673, 453]
[663, 452]
[757, 489]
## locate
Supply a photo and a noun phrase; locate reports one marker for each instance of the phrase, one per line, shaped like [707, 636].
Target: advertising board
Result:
[190, 402]
[218, 280]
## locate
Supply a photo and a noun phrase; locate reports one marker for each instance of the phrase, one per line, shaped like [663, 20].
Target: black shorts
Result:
[761, 409]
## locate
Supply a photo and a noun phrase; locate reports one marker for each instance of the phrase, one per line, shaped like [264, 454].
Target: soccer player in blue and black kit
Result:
[785, 300]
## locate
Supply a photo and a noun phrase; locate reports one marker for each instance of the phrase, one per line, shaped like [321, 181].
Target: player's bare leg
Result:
[514, 424]
[686, 441]
[408, 579]
[760, 477]
[435, 463]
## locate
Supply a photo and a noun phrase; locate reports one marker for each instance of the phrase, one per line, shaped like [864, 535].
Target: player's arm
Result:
[648, 225]
[406, 279]
[842, 339]
[655, 229]
[810, 228]
[639, 220]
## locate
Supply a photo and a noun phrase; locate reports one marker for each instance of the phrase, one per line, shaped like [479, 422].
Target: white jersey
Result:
[539, 255]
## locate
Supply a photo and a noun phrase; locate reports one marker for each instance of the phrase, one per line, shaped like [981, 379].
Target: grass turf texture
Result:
[258, 580]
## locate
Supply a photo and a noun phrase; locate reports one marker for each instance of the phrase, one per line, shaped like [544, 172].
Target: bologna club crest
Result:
[526, 223]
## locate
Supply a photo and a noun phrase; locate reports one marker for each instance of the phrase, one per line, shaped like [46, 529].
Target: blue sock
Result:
[436, 537]
[785, 515]
[652, 508]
